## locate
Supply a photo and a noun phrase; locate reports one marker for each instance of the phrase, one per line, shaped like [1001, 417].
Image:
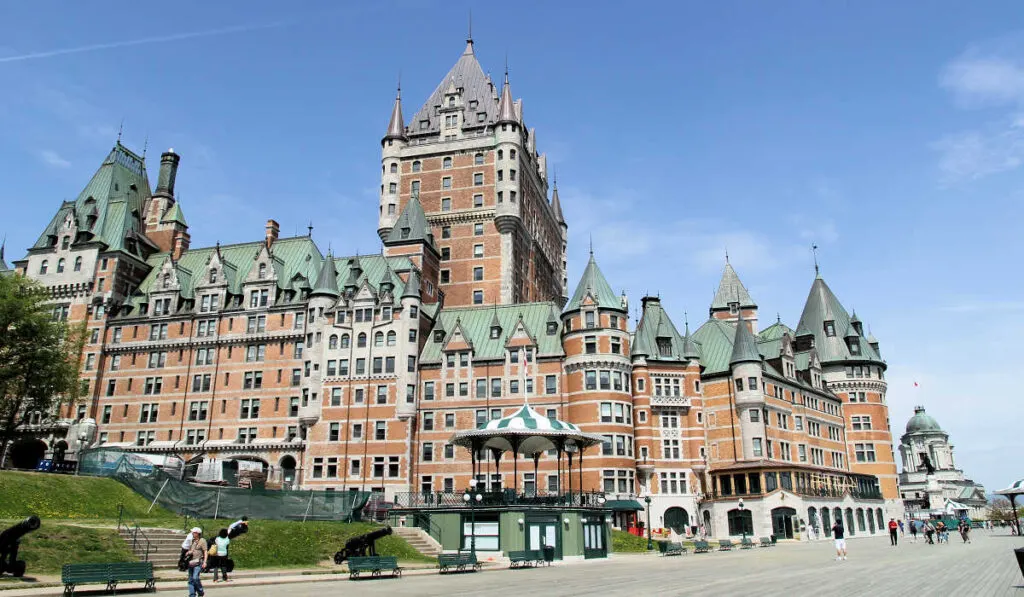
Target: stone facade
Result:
[353, 372]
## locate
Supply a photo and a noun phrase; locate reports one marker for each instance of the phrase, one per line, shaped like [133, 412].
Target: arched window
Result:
[44, 266]
[392, 338]
[849, 521]
[860, 519]
[332, 342]
[213, 275]
[60, 265]
[344, 341]
[501, 154]
[78, 264]
[416, 166]
[881, 519]
[394, 168]
[378, 339]
[263, 271]
[361, 340]
[741, 521]
[446, 163]
[826, 523]
[478, 159]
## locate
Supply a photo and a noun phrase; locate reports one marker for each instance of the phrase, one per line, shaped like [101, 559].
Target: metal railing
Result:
[141, 545]
[506, 497]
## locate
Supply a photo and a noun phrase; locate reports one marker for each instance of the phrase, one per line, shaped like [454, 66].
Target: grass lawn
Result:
[46, 549]
[50, 496]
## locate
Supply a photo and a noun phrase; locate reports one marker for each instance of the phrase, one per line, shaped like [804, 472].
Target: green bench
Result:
[73, 575]
[701, 547]
[725, 545]
[459, 561]
[525, 558]
[374, 565]
[766, 542]
[746, 543]
[673, 549]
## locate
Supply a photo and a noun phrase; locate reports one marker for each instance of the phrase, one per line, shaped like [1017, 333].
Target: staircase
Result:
[164, 545]
[419, 540]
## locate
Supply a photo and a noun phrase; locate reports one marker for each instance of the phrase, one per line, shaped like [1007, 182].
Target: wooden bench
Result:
[374, 565]
[701, 547]
[725, 545]
[73, 575]
[674, 549]
[459, 561]
[525, 558]
[746, 543]
[766, 542]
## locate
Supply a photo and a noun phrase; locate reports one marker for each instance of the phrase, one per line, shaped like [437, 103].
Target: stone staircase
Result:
[164, 545]
[419, 540]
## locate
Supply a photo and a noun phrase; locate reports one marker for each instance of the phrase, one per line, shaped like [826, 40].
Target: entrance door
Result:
[594, 545]
[544, 533]
[782, 522]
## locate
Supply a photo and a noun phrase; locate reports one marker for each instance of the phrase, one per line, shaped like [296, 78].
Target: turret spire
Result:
[744, 347]
[506, 107]
[396, 128]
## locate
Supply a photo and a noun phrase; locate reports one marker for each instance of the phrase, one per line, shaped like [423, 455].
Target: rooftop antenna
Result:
[814, 251]
[309, 229]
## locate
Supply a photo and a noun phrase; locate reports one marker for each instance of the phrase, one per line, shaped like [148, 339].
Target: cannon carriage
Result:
[361, 545]
[10, 539]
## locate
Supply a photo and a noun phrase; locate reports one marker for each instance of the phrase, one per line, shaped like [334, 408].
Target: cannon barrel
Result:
[378, 534]
[16, 532]
[360, 544]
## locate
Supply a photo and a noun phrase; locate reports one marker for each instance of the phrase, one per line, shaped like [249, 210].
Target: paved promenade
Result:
[985, 567]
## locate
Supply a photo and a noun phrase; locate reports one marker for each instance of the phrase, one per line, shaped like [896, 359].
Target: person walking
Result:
[942, 532]
[913, 530]
[220, 565]
[902, 534]
[838, 533]
[893, 531]
[965, 530]
[929, 532]
[197, 556]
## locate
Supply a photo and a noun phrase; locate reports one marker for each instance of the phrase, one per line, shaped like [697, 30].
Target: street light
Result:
[650, 543]
[743, 523]
[471, 497]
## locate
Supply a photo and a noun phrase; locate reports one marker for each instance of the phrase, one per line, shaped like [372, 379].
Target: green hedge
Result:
[624, 542]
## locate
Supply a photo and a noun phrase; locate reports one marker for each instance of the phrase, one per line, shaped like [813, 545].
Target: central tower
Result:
[473, 164]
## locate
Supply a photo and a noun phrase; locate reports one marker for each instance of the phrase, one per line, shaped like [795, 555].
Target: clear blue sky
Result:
[890, 134]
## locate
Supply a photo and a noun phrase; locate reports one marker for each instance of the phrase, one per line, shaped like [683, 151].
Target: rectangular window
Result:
[446, 183]
[478, 251]
[550, 382]
[446, 203]
[428, 390]
[380, 430]
[758, 453]
[478, 201]
[478, 179]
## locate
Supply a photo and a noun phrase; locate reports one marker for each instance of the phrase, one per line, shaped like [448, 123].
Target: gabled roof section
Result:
[744, 347]
[731, 290]
[475, 323]
[821, 306]
[411, 225]
[655, 325]
[714, 342]
[175, 215]
[594, 285]
[476, 87]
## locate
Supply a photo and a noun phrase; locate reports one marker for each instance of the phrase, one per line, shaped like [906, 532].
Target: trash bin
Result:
[549, 554]
[774, 539]
[1020, 559]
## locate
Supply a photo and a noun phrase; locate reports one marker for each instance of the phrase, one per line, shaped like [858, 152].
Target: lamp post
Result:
[472, 497]
[650, 542]
[743, 523]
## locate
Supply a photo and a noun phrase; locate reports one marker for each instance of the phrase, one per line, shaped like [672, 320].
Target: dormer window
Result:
[472, 104]
[405, 233]
[451, 102]
[830, 328]
[495, 332]
[734, 308]
[664, 347]
[439, 336]
[65, 242]
[213, 276]
[854, 344]
[589, 319]
[552, 328]
[262, 274]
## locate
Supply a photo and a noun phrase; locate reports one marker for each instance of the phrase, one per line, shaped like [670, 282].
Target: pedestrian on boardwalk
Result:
[929, 532]
[838, 533]
[196, 562]
[913, 530]
[893, 529]
[902, 534]
[942, 532]
[220, 565]
[965, 530]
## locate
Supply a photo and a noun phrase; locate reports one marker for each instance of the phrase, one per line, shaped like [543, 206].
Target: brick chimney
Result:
[273, 230]
[180, 245]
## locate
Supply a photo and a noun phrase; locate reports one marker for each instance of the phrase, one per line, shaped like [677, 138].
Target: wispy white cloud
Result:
[977, 81]
[970, 155]
[53, 159]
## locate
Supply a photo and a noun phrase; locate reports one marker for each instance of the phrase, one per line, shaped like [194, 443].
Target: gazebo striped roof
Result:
[526, 432]
[526, 418]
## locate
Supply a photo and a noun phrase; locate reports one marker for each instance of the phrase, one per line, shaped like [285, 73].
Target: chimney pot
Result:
[273, 231]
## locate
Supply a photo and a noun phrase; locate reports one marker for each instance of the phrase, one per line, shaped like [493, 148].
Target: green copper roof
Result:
[411, 225]
[475, 323]
[744, 347]
[593, 283]
[714, 341]
[175, 215]
[655, 324]
[822, 306]
[109, 208]
[731, 290]
[922, 422]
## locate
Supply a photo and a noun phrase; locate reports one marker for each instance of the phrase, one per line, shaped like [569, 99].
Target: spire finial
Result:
[591, 245]
[309, 229]
[2, 246]
[145, 146]
[469, 36]
[727, 254]
[120, 129]
[398, 94]
[506, 68]
[814, 251]
[555, 172]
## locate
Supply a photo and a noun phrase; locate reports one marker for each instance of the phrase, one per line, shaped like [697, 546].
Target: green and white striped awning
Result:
[527, 432]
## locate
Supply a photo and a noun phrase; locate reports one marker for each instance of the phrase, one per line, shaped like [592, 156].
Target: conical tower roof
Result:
[731, 290]
[689, 347]
[412, 285]
[476, 86]
[823, 306]
[744, 346]
[327, 279]
[3, 264]
[411, 225]
[396, 127]
[506, 107]
[594, 283]
[556, 205]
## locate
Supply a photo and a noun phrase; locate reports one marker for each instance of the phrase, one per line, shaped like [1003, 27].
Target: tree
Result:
[39, 359]
[999, 510]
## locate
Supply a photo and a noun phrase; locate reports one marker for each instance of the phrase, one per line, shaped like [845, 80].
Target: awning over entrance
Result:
[623, 505]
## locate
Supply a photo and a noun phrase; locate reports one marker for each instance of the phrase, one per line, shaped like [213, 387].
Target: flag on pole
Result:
[915, 384]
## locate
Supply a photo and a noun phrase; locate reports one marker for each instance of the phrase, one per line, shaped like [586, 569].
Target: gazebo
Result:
[1012, 492]
[529, 433]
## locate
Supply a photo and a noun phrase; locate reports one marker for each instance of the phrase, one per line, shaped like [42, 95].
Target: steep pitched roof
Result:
[506, 107]
[714, 342]
[821, 306]
[744, 347]
[475, 323]
[476, 87]
[594, 284]
[655, 325]
[411, 225]
[556, 205]
[175, 215]
[327, 279]
[731, 290]
[3, 264]
[396, 126]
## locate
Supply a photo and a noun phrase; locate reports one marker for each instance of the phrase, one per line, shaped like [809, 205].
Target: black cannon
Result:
[9, 541]
[362, 545]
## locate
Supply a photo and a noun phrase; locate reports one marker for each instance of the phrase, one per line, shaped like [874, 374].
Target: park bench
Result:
[673, 549]
[73, 575]
[746, 543]
[701, 547]
[525, 558]
[725, 545]
[459, 561]
[766, 542]
[374, 565]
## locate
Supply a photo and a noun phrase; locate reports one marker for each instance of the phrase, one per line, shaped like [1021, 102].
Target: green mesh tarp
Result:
[210, 501]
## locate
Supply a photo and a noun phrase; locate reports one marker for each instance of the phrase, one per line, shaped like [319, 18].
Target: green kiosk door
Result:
[544, 532]
[594, 545]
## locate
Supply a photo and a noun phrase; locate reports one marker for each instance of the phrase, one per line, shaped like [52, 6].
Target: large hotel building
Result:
[352, 373]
